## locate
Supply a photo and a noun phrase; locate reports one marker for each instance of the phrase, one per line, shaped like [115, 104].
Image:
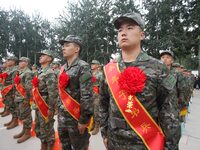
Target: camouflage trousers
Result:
[24, 113]
[69, 134]
[44, 130]
[121, 139]
[9, 102]
[96, 108]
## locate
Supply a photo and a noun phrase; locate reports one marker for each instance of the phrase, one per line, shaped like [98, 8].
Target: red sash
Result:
[70, 104]
[21, 90]
[133, 111]
[40, 102]
[6, 90]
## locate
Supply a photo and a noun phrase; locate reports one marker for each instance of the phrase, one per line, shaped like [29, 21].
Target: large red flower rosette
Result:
[17, 79]
[4, 75]
[35, 81]
[63, 80]
[132, 80]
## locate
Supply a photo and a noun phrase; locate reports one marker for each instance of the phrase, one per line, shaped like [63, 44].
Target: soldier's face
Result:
[129, 35]
[94, 66]
[10, 63]
[167, 59]
[23, 64]
[45, 59]
[70, 49]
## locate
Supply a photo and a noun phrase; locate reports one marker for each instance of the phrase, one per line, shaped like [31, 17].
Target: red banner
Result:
[6, 90]
[40, 102]
[133, 111]
[21, 90]
[70, 104]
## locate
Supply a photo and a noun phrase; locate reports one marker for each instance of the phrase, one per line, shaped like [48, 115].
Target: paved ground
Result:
[189, 141]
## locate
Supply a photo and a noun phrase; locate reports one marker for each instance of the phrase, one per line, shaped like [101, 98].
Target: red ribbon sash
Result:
[70, 104]
[133, 111]
[21, 90]
[40, 102]
[6, 90]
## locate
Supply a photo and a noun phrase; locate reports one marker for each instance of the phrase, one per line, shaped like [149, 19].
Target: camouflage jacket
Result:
[48, 87]
[80, 88]
[178, 91]
[57, 71]
[10, 79]
[26, 76]
[98, 75]
[158, 85]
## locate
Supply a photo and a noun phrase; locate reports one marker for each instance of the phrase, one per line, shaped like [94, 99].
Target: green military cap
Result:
[25, 59]
[163, 52]
[47, 52]
[176, 65]
[95, 62]
[181, 66]
[130, 17]
[12, 58]
[71, 39]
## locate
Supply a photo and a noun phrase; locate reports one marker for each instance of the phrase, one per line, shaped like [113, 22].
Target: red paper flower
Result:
[1, 76]
[35, 81]
[17, 79]
[94, 79]
[132, 80]
[63, 80]
[5, 75]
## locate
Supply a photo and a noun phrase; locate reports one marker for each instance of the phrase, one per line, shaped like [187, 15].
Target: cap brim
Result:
[122, 19]
[63, 41]
[166, 53]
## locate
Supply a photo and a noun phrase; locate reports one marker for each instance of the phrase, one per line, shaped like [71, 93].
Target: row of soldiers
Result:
[135, 101]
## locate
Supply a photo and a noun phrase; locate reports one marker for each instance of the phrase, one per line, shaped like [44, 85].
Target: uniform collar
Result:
[74, 63]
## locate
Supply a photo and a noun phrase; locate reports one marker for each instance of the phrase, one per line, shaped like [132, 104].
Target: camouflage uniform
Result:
[23, 103]
[154, 98]
[79, 88]
[98, 75]
[175, 105]
[57, 70]
[48, 90]
[9, 98]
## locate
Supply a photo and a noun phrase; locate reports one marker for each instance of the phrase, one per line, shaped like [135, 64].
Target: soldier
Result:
[45, 95]
[2, 84]
[75, 85]
[96, 78]
[56, 67]
[177, 95]
[34, 69]
[22, 98]
[133, 92]
[8, 91]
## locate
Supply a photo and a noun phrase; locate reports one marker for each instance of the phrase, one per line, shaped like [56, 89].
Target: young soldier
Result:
[177, 95]
[8, 91]
[134, 91]
[23, 87]
[96, 78]
[5, 111]
[75, 107]
[45, 95]
[56, 67]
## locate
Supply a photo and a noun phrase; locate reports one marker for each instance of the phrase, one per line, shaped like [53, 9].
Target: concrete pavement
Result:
[191, 133]
[190, 139]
